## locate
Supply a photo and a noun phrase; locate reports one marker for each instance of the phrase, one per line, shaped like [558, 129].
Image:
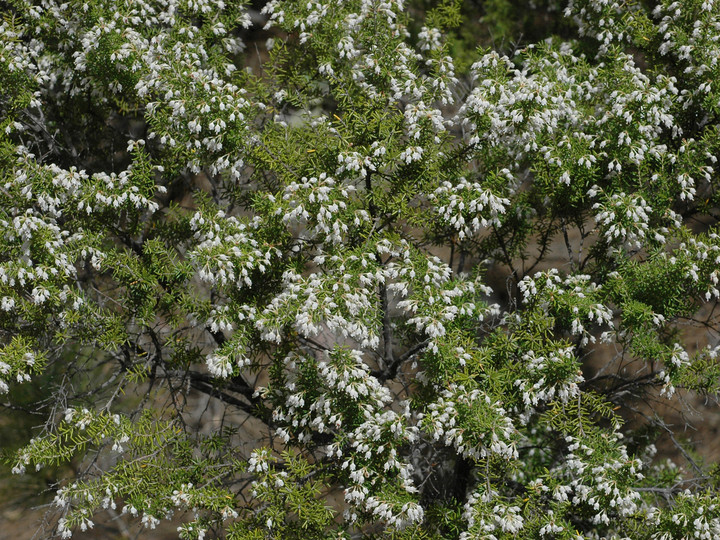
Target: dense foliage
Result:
[288, 270]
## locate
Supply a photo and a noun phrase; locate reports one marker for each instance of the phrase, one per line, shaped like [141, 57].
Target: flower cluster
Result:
[227, 252]
[549, 378]
[342, 301]
[17, 360]
[339, 396]
[623, 219]
[488, 516]
[431, 297]
[469, 207]
[575, 300]
[606, 486]
[471, 421]
[323, 205]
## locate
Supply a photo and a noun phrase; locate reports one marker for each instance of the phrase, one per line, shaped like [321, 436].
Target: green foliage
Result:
[423, 270]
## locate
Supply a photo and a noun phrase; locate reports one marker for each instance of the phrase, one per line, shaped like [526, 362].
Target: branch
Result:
[387, 358]
[660, 423]
[213, 391]
[390, 371]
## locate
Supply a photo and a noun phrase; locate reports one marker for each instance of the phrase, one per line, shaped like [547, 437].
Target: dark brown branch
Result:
[390, 371]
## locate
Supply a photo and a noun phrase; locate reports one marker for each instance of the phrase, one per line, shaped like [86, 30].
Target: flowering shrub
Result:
[332, 285]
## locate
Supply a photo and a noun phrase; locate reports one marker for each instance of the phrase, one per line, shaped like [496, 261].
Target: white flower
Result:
[219, 365]
[411, 153]
[149, 521]
[40, 295]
